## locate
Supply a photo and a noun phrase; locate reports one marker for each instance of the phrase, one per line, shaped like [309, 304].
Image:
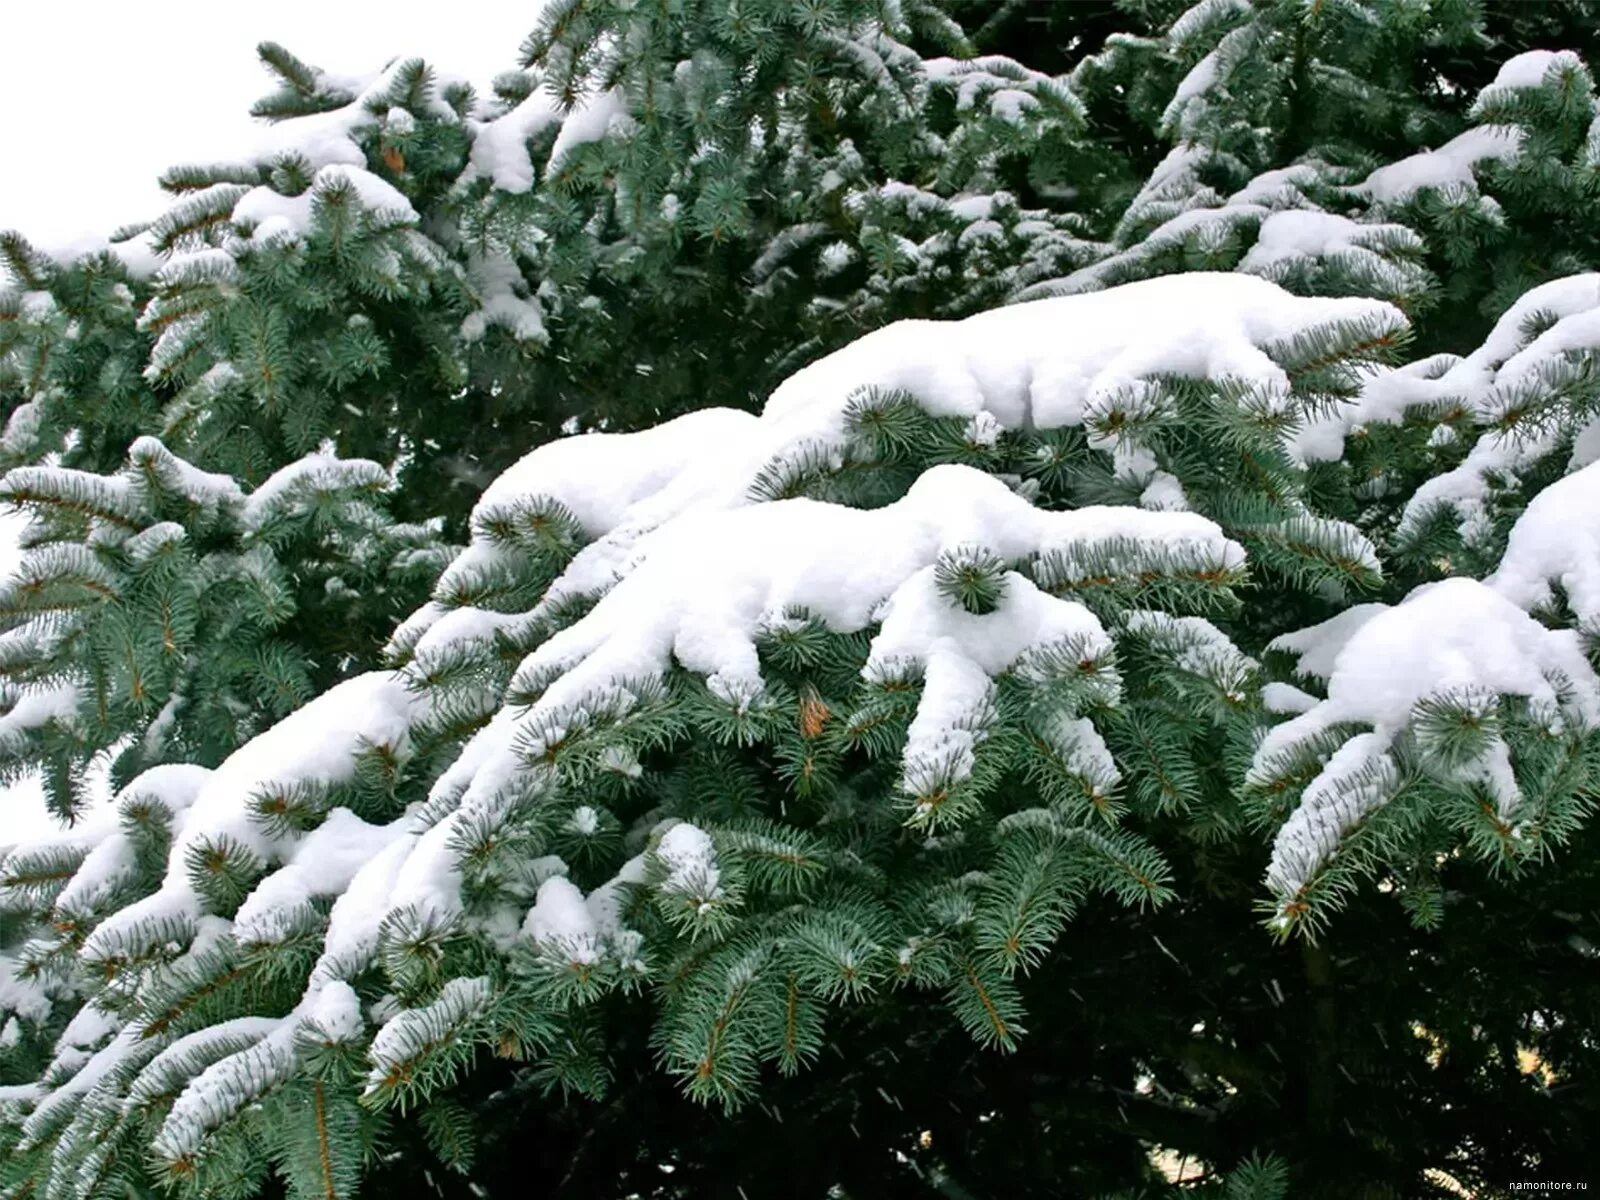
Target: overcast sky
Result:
[98, 97]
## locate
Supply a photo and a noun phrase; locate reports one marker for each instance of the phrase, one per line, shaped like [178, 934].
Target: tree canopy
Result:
[825, 599]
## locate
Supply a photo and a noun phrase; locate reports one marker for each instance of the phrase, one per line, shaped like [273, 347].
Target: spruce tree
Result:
[994, 662]
[396, 250]
[217, 421]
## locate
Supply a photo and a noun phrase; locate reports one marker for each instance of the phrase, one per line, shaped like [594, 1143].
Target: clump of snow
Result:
[1317, 647]
[163, 792]
[1448, 166]
[1556, 540]
[271, 216]
[1203, 15]
[1358, 777]
[207, 489]
[335, 1011]
[333, 137]
[165, 1073]
[361, 908]
[137, 255]
[590, 121]
[1286, 699]
[225, 1087]
[503, 300]
[321, 472]
[22, 995]
[1493, 378]
[1531, 68]
[1014, 362]
[408, 1030]
[1282, 187]
[608, 482]
[1453, 635]
[1197, 225]
[500, 145]
[561, 920]
[400, 122]
[1366, 250]
[323, 864]
[958, 654]
[315, 745]
[37, 707]
[691, 861]
[1200, 77]
[1455, 638]
[835, 257]
[600, 478]
[606, 901]
[1507, 368]
[1083, 752]
[703, 585]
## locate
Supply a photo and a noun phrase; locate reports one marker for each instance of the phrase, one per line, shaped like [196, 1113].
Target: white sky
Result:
[98, 97]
